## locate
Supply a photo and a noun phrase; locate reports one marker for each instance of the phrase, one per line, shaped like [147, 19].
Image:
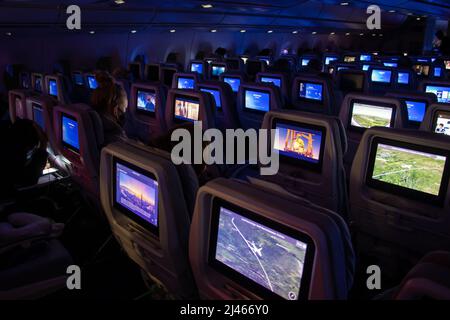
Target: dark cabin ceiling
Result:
[253, 16]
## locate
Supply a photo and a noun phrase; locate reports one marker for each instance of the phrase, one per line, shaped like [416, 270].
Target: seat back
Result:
[54, 87]
[351, 81]
[399, 195]
[253, 67]
[79, 139]
[254, 100]
[441, 89]
[183, 107]
[437, 119]
[311, 149]
[198, 66]
[415, 104]
[187, 81]
[226, 113]
[313, 94]
[136, 70]
[148, 202]
[404, 80]
[17, 104]
[240, 231]
[216, 69]
[145, 118]
[234, 64]
[166, 74]
[281, 80]
[360, 111]
[233, 79]
[380, 79]
[152, 72]
[37, 82]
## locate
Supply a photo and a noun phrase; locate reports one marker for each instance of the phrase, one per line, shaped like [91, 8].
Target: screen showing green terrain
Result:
[368, 116]
[408, 168]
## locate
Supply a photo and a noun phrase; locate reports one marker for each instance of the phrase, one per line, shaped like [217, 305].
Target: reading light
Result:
[295, 32]
[133, 31]
[314, 32]
[119, 1]
[405, 54]
[361, 34]
[173, 31]
[269, 31]
[92, 32]
[418, 18]
[243, 31]
[9, 34]
[347, 34]
[344, 3]
[207, 6]
[333, 33]
[213, 30]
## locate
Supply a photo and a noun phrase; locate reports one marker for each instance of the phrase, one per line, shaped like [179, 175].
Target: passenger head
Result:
[102, 99]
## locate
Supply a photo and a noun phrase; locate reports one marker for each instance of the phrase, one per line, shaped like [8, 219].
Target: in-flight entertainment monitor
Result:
[441, 92]
[197, 67]
[78, 79]
[136, 194]
[217, 70]
[441, 123]
[185, 83]
[365, 57]
[299, 143]
[146, 101]
[369, 114]
[186, 108]
[403, 78]
[216, 94]
[352, 82]
[273, 80]
[52, 88]
[390, 64]
[257, 100]
[437, 72]
[70, 136]
[416, 110]
[38, 84]
[305, 62]
[328, 60]
[349, 59]
[38, 115]
[365, 67]
[92, 82]
[422, 69]
[234, 82]
[270, 259]
[311, 91]
[381, 76]
[418, 172]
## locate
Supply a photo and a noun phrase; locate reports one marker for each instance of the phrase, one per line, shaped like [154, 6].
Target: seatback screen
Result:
[269, 258]
[311, 91]
[437, 72]
[256, 100]
[349, 59]
[136, 194]
[408, 169]
[301, 142]
[186, 108]
[403, 78]
[328, 60]
[38, 84]
[365, 115]
[352, 82]
[52, 88]
[217, 70]
[215, 94]
[92, 82]
[441, 92]
[365, 57]
[416, 110]
[234, 83]
[442, 123]
[422, 70]
[305, 62]
[381, 76]
[38, 115]
[146, 101]
[390, 64]
[70, 136]
[274, 81]
[197, 67]
[78, 79]
[185, 83]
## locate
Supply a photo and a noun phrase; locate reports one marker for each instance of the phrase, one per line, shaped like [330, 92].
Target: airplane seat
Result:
[281, 80]
[215, 69]
[234, 79]
[254, 100]
[34, 262]
[415, 104]
[136, 70]
[37, 82]
[370, 111]
[399, 196]
[152, 72]
[185, 80]
[183, 107]
[313, 94]
[198, 66]
[441, 89]
[234, 64]
[80, 92]
[154, 236]
[316, 172]
[55, 87]
[17, 104]
[429, 279]
[166, 73]
[249, 242]
[405, 80]
[437, 119]
[351, 81]
[79, 139]
[226, 114]
[253, 67]
[380, 79]
[145, 117]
